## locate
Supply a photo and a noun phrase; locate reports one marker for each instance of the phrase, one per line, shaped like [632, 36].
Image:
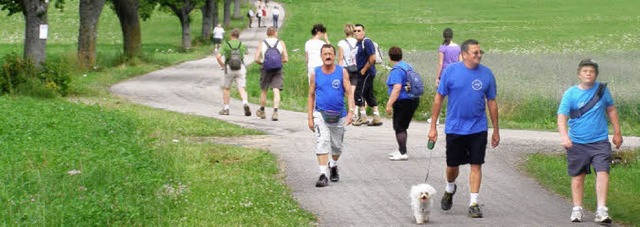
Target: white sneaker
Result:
[394, 153]
[399, 157]
[437, 122]
[602, 215]
[576, 214]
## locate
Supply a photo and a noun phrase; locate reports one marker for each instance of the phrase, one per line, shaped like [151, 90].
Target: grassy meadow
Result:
[101, 161]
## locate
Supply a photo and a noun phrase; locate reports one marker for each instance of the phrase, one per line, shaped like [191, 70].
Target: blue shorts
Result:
[466, 149]
[581, 157]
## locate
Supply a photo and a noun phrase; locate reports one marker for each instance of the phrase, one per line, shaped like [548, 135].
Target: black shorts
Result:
[353, 78]
[403, 110]
[466, 149]
[581, 156]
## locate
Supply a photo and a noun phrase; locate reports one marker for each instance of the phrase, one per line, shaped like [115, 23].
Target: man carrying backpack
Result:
[401, 101]
[271, 54]
[366, 60]
[233, 66]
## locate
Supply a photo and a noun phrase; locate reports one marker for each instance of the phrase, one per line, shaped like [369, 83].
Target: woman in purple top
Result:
[449, 52]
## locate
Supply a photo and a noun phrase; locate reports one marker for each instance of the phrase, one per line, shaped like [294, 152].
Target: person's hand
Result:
[349, 118]
[389, 109]
[566, 142]
[617, 141]
[433, 135]
[495, 139]
[311, 125]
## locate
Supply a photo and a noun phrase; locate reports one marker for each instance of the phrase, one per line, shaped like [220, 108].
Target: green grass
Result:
[551, 171]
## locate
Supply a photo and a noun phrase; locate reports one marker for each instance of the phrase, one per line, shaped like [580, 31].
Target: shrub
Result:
[19, 76]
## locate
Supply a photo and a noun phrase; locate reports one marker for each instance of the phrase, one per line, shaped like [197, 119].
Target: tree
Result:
[90, 11]
[236, 10]
[182, 9]
[207, 18]
[227, 13]
[127, 11]
[35, 14]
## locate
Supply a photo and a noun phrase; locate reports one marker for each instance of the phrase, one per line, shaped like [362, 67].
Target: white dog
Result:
[421, 201]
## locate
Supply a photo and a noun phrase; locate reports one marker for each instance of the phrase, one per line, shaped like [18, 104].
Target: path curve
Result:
[372, 191]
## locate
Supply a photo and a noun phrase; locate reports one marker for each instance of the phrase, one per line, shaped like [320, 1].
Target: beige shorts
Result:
[239, 76]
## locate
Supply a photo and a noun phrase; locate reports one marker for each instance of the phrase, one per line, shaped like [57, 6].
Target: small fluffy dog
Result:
[421, 201]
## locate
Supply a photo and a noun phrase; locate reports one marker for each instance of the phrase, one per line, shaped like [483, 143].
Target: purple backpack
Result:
[272, 58]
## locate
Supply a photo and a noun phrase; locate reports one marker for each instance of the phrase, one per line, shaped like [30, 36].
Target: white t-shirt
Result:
[275, 12]
[348, 51]
[271, 42]
[218, 32]
[312, 48]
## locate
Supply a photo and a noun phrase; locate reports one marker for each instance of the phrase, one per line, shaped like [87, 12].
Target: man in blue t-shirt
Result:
[329, 86]
[587, 140]
[366, 62]
[470, 88]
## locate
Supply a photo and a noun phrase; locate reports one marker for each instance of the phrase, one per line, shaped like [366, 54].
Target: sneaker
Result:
[322, 181]
[474, 211]
[576, 214]
[261, 114]
[377, 121]
[399, 157]
[333, 174]
[447, 199]
[360, 121]
[223, 112]
[602, 215]
[393, 153]
[247, 111]
[274, 117]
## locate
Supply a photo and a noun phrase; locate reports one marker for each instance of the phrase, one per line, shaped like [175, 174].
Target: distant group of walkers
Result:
[340, 80]
[261, 13]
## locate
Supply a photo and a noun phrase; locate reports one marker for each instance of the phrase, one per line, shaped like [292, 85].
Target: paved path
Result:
[372, 190]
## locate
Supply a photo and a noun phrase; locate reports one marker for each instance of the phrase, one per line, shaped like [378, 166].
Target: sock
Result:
[450, 187]
[577, 208]
[323, 170]
[333, 163]
[275, 109]
[244, 102]
[226, 107]
[262, 108]
[473, 198]
[363, 113]
[376, 113]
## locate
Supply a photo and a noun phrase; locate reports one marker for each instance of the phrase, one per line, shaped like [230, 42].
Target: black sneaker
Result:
[333, 174]
[474, 211]
[322, 181]
[447, 199]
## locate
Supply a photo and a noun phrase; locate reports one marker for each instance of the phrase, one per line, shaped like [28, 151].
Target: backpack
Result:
[377, 48]
[272, 58]
[414, 86]
[350, 66]
[235, 57]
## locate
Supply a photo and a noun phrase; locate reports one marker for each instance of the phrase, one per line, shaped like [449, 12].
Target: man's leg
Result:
[577, 189]
[602, 187]
[225, 96]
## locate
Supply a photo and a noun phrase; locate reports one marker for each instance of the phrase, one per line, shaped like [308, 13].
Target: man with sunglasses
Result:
[470, 88]
[366, 62]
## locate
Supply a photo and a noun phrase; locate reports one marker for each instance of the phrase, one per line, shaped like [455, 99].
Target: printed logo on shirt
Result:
[335, 84]
[476, 85]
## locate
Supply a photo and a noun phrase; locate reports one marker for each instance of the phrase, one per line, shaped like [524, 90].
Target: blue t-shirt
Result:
[468, 90]
[362, 55]
[397, 76]
[330, 90]
[592, 126]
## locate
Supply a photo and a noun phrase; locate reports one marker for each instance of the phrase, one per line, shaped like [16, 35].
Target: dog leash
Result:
[429, 164]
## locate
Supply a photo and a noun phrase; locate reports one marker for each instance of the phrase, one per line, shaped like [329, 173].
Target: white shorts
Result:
[239, 76]
[329, 137]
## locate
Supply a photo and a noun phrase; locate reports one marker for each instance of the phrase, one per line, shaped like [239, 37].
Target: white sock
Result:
[450, 187]
[363, 113]
[376, 113]
[473, 198]
[577, 208]
[333, 163]
[323, 170]
[245, 102]
[226, 107]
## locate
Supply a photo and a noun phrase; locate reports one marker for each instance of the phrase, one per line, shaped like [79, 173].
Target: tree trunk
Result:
[35, 15]
[216, 15]
[127, 11]
[183, 14]
[227, 13]
[207, 20]
[236, 10]
[90, 11]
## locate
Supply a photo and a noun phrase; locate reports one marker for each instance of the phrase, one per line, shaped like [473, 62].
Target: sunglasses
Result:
[478, 52]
